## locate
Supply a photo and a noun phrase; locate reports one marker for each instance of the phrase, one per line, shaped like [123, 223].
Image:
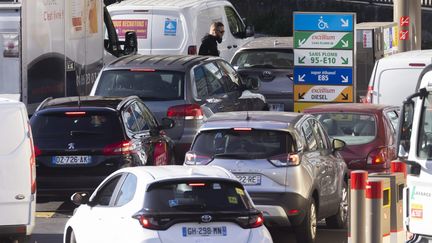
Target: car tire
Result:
[340, 219]
[72, 238]
[307, 230]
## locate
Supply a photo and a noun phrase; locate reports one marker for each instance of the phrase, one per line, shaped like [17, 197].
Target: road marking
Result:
[44, 214]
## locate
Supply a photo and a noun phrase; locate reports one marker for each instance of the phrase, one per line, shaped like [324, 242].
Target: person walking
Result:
[209, 41]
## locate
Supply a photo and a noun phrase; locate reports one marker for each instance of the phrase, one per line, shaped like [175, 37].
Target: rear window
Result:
[278, 59]
[196, 196]
[148, 85]
[102, 126]
[248, 144]
[353, 128]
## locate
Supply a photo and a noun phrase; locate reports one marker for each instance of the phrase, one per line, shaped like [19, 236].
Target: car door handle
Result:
[229, 47]
[235, 46]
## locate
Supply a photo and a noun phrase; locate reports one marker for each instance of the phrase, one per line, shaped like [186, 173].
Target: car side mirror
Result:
[130, 43]
[251, 83]
[79, 198]
[337, 144]
[167, 123]
[250, 31]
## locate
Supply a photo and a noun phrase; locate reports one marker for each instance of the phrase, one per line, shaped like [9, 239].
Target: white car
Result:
[166, 204]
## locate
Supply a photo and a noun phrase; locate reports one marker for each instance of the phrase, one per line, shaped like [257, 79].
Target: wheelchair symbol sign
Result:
[322, 25]
[170, 27]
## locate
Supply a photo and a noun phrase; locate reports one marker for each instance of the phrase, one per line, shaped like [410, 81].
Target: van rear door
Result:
[139, 21]
[10, 48]
[159, 31]
[16, 199]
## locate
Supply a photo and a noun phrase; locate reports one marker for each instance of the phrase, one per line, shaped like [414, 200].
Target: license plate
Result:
[249, 179]
[71, 160]
[277, 107]
[204, 231]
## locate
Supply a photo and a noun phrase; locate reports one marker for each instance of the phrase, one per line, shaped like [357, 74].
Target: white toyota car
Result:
[167, 204]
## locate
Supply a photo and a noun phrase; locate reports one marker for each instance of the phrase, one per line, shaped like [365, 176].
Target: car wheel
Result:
[306, 231]
[72, 238]
[340, 219]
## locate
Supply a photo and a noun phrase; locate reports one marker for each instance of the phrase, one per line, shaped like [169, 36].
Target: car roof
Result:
[269, 43]
[179, 63]
[10, 102]
[403, 59]
[162, 3]
[349, 107]
[166, 172]
[252, 119]
[84, 101]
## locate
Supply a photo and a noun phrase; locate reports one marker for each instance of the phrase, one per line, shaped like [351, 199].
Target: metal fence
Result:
[425, 3]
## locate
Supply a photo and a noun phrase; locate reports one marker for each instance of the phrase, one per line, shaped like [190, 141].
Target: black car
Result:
[271, 61]
[81, 140]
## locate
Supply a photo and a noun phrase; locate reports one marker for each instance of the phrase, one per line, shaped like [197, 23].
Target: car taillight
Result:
[75, 113]
[37, 151]
[369, 94]
[192, 50]
[377, 156]
[160, 155]
[123, 147]
[188, 112]
[147, 222]
[191, 158]
[252, 221]
[32, 162]
[282, 160]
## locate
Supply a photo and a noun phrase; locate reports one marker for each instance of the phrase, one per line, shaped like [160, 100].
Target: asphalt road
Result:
[52, 216]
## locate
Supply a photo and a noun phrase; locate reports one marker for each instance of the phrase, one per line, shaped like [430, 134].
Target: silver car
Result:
[286, 161]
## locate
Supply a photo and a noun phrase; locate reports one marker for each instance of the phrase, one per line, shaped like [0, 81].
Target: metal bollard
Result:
[357, 216]
[378, 210]
[397, 184]
[398, 166]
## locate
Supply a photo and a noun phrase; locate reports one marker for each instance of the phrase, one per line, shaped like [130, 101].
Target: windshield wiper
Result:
[233, 155]
[262, 66]
[78, 133]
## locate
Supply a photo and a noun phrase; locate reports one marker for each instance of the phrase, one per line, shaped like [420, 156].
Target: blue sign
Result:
[323, 76]
[323, 22]
[170, 27]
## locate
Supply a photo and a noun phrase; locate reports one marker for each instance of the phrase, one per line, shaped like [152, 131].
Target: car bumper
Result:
[281, 209]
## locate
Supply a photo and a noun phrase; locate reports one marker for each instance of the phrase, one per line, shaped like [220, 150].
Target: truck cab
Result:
[415, 149]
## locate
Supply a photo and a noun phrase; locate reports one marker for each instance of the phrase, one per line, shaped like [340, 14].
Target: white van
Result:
[415, 149]
[395, 77]
[177, 27]
[17, 173]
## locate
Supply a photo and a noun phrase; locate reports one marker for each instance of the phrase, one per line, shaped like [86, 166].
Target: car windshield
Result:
[424, 150]
[352, 128]
[146, 84]
[196, 196]
[71, 127]
[243, 143]
[269, 59]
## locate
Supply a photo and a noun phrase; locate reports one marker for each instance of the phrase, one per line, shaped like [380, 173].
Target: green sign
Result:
[323, 40]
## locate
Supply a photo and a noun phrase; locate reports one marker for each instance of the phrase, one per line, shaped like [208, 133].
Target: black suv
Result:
[81, 140]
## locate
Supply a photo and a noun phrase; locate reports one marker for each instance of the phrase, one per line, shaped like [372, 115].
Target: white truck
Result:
[55, 48]
[415, 148]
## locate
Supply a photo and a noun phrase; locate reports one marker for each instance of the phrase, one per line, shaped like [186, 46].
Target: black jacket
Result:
[208, 46]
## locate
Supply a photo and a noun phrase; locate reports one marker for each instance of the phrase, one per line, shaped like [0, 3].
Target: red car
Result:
[368, 130]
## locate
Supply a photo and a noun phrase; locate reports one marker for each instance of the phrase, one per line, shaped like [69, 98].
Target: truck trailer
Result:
[55, 48]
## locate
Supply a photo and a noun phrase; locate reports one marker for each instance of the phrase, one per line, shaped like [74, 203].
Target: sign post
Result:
[324, 60]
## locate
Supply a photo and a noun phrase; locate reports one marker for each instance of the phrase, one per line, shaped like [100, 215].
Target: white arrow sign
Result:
[345, 43]
[301, 42]
[345, 22]
[345, 79]
[301, 78]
